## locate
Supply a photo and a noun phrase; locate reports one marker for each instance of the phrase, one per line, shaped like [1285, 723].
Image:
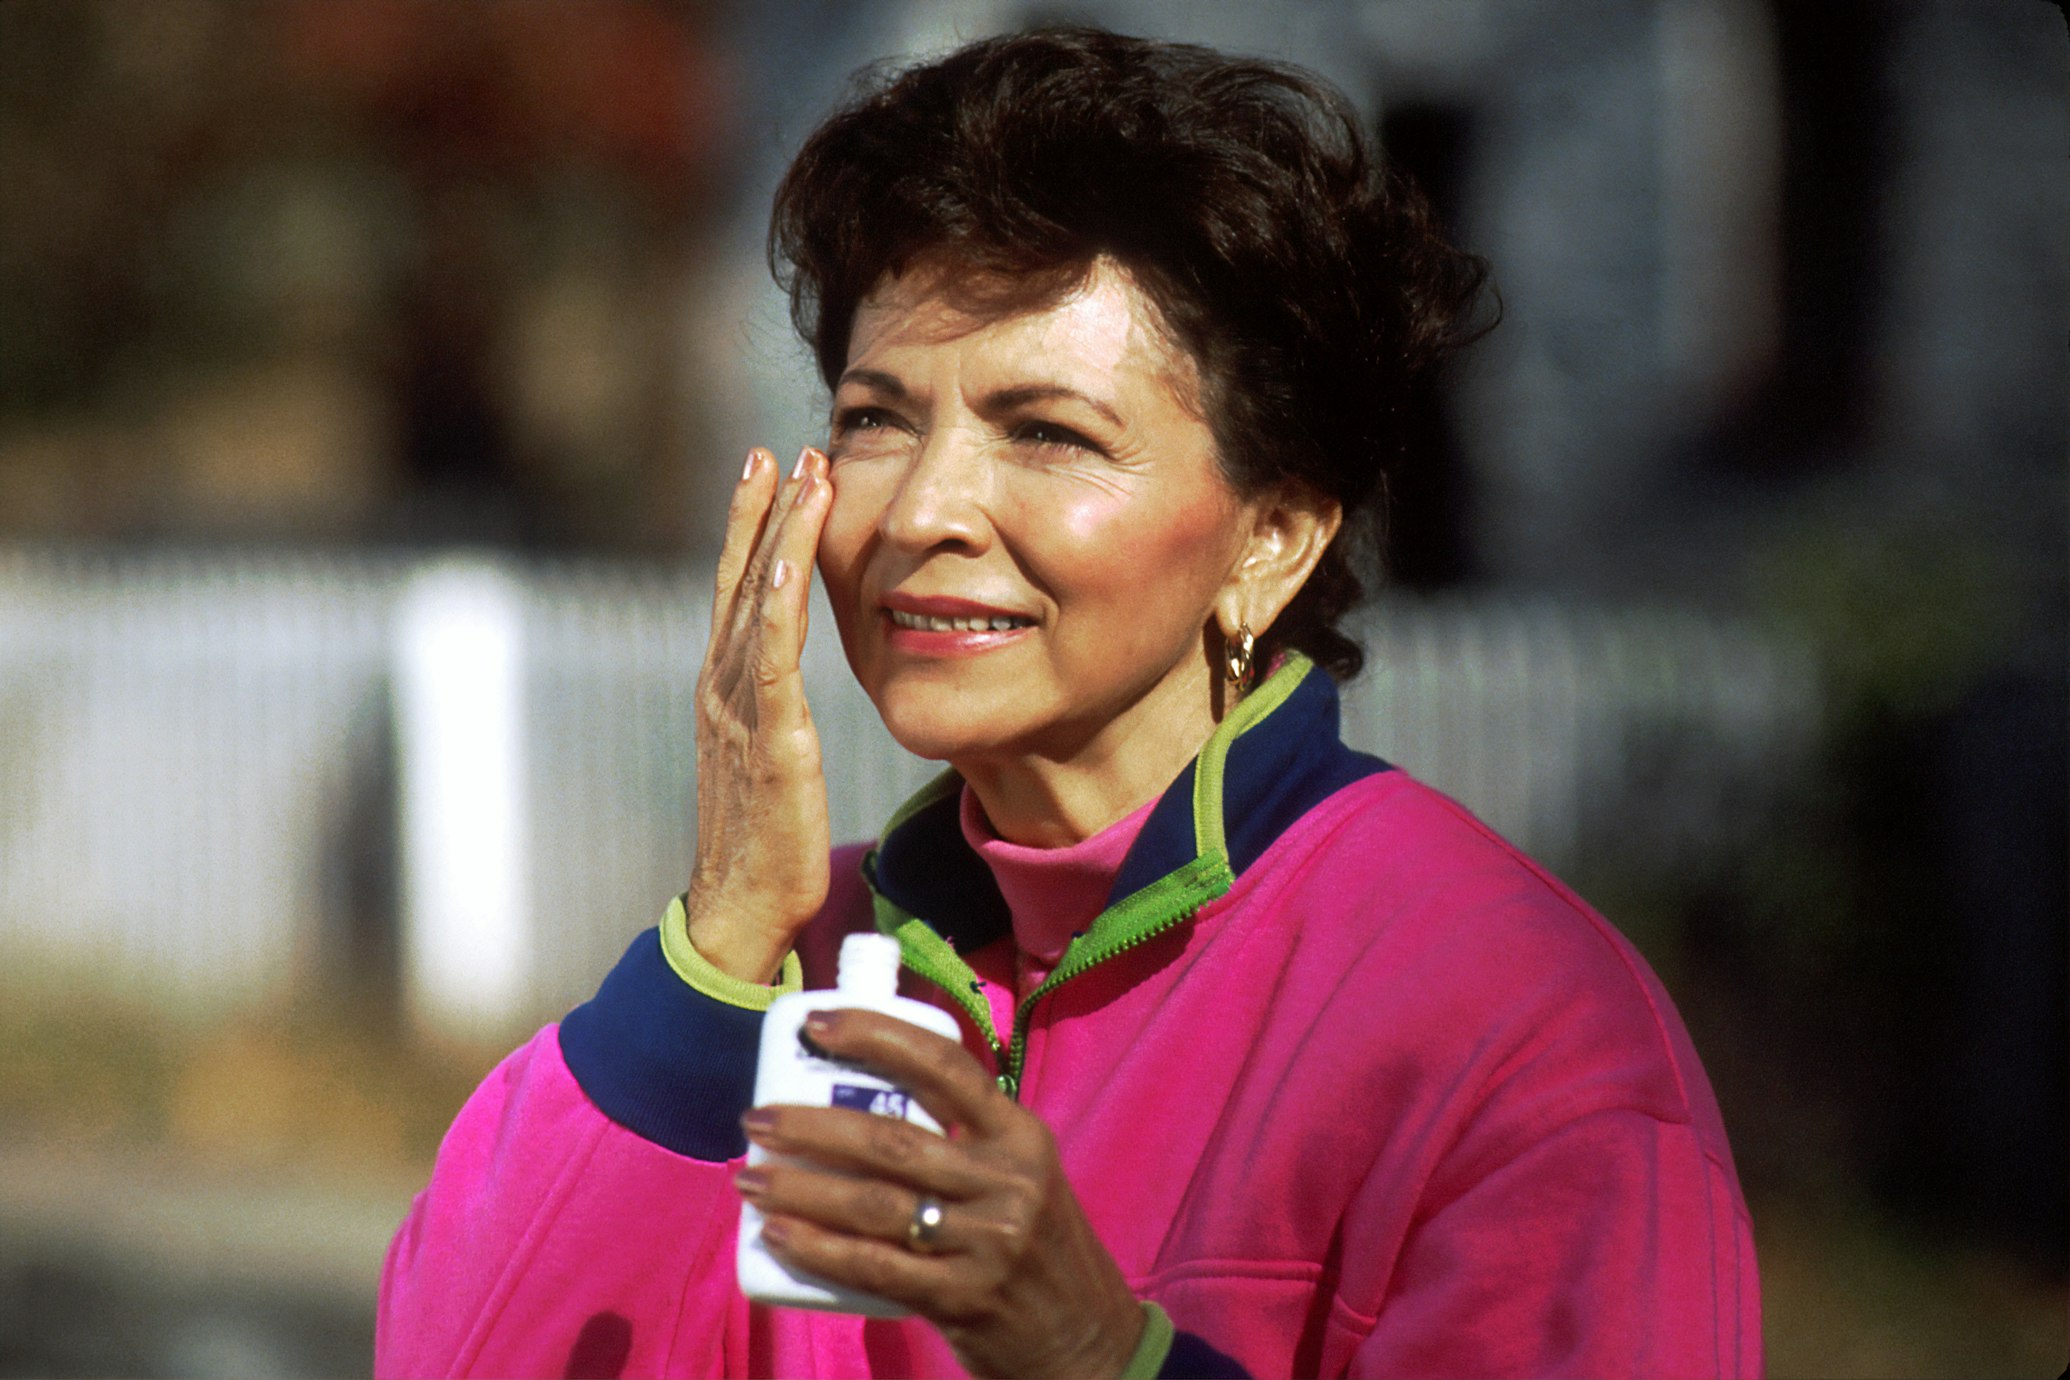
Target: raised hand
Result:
[762, 838]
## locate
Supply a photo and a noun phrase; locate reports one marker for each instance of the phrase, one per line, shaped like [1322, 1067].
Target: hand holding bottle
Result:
[791, 1070]
[1003, 1262]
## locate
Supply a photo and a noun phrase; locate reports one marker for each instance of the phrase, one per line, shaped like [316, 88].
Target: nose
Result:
[941, 496]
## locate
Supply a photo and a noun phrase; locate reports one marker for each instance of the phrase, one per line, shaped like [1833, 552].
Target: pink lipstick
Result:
[940, 625]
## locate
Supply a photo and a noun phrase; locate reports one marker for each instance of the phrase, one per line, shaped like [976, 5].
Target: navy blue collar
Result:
[1276, 770]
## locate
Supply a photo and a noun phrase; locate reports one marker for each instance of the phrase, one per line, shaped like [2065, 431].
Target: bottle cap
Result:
[869, 967]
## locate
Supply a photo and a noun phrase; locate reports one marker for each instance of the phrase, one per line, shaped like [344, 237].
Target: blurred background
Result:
[371, 379]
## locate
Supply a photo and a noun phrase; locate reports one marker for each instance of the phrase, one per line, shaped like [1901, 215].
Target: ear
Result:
[1289, 531]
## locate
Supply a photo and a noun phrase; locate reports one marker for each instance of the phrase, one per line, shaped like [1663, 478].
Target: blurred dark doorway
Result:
[1430, 487]
[1815, 408]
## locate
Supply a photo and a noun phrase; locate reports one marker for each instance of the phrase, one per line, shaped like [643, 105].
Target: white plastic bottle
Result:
[791, 1073]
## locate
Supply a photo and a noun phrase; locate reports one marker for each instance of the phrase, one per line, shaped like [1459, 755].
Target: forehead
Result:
[1101, 323]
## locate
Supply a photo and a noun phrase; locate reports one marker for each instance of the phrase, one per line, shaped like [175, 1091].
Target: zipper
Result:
[964, 994]
[980, 1014]
[1010, 1057]
[1016, 1053]
[1185, 891]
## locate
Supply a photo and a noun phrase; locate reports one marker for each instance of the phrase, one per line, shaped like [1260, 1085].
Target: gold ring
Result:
[925, 1226]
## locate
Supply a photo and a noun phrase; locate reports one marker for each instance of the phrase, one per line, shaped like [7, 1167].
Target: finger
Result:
[786, 596]
[881, 1148]
[746, 518]
[841, 1202]
[953, 1086]
[935, 1286]
[747, 606]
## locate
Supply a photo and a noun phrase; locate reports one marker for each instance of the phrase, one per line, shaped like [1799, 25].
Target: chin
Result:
[940, 724]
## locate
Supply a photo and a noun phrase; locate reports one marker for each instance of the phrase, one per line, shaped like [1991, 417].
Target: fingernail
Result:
[758, 1121]
[776, 1231]
[780, 575]
[819, 1025]
[751, 1183]
[747, 471]
[799, 468]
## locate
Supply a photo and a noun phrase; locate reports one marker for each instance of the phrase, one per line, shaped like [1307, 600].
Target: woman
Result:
[1275, 1061]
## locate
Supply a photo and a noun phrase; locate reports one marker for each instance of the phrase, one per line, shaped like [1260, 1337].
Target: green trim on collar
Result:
[697, 970]
[1208, 835]
[934, 958]
[1154, 1347]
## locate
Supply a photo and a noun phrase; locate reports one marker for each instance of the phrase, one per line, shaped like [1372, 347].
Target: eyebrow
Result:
[891, 385]
[1004, 400]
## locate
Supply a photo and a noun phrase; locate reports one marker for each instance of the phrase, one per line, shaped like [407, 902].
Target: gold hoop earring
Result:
[1237, 662]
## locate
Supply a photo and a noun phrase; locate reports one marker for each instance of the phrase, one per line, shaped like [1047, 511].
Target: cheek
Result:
[844, 546]
[851, 518]
[1141, 548]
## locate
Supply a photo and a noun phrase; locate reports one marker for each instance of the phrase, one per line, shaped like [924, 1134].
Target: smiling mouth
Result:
[928, 623]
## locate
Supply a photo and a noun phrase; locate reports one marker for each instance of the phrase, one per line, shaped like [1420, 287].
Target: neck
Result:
[1057, 798]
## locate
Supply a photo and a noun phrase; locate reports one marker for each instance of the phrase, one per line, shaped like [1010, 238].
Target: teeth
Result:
[925, 623]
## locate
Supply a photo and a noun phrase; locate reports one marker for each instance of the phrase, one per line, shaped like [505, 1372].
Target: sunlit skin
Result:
[1051, 467]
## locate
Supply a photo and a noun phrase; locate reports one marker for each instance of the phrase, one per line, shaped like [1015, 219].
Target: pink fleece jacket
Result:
[1371, 1094]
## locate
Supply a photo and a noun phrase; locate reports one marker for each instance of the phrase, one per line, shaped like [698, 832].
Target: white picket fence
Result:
[202, 758]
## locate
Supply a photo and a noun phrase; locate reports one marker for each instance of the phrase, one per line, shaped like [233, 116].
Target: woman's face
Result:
[1029, 527]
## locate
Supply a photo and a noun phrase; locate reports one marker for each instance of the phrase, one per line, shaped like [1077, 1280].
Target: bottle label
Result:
[877, 1101]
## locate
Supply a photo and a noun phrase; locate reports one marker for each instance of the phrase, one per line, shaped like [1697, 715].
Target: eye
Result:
[1051, 434]
[850, 419]
[862, 429]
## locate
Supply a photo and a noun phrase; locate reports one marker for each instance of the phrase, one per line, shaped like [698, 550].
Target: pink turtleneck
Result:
[1053, 893]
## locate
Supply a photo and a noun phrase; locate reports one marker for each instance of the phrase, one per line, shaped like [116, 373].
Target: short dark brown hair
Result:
[1308, 281]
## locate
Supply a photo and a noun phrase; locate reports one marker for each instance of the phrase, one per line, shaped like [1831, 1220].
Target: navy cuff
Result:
[664, 1060]
[1193, 1359]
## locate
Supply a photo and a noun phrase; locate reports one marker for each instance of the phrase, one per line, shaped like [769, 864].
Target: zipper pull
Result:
[1008, 1085]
